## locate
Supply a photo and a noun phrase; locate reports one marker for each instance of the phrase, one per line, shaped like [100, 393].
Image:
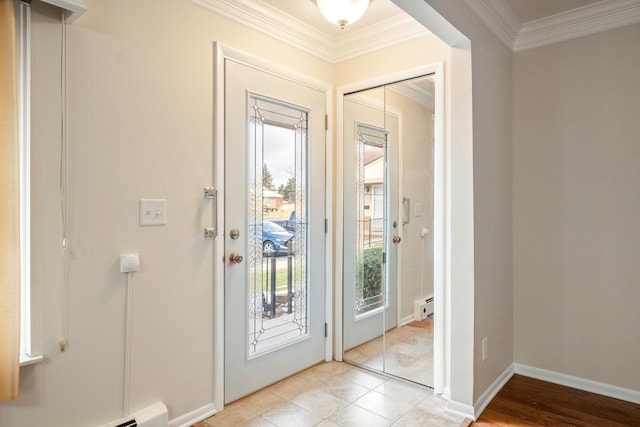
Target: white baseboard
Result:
[488, 395]
[459, 409]
[195, 416]
[579, 383]
[406, 320]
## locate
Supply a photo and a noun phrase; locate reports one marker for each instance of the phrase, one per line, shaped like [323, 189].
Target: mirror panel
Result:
[388, 216]
[409, 347]
[364, 273]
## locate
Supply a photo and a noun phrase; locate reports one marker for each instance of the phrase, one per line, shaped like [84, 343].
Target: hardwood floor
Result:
[529, 402]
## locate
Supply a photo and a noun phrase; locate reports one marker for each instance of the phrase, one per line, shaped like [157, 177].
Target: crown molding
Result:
[269, 20]
[273, 22]
[415, 93]
[386, 33]
[499, 17]
[590, 19]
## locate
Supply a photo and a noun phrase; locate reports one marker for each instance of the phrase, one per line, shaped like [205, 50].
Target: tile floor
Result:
[408, 355]
[337, 394]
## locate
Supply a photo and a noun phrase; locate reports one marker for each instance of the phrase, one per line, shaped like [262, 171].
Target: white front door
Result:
[274, 228]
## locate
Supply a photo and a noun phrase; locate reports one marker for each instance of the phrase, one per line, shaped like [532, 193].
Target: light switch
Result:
[153, 211]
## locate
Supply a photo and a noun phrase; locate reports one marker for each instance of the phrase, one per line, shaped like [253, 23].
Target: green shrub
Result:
[369, 278]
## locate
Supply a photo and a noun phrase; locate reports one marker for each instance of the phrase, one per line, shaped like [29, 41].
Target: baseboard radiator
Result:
[155, 415]
[422, 308]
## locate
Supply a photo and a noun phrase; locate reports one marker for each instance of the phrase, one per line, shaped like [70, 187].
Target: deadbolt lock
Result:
[234, 233]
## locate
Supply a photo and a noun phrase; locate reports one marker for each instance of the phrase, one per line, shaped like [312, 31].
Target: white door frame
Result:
[442, 330]
[220, 53]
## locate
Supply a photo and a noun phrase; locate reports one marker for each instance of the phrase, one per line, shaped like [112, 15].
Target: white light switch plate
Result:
[153, 211]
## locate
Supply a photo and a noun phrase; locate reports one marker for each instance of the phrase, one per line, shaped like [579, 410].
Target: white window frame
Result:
[23, 38]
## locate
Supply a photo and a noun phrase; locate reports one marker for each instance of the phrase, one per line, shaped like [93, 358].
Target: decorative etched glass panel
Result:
[370, 218]
[277, 213]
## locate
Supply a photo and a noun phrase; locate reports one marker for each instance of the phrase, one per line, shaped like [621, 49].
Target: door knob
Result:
[396, 239]
[235, 258]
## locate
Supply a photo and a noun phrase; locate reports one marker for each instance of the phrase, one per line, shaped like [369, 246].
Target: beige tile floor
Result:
[408, 354]
[337, 394]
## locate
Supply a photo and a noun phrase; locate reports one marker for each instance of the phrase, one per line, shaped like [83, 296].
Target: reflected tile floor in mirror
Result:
[337, 394]
[409, 353]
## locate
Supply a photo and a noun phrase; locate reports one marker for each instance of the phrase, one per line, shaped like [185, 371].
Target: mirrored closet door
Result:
[388, 218]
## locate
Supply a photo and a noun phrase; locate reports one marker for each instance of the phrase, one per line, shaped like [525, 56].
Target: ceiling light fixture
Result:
[342, 12]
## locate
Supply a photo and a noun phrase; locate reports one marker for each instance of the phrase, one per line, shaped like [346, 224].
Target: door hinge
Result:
[326, 225]
[326, 122]
[384, 257]
[326, 330]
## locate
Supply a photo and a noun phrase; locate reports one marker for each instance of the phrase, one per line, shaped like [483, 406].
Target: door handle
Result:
[235, 258]
[397, 239]
[212, 193]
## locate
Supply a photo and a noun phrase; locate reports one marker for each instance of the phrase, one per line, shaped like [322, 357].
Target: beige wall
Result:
[577, 207]
[416, 260]
[414, 53]
[139, 124]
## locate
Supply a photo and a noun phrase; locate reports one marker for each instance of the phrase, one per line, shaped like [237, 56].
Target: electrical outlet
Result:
[485, 348]
[129, 263]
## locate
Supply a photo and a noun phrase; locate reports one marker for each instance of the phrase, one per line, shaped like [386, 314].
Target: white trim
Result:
[390, 32]
[273, 22]
[590, 19]
[593, 18]
[30, 360]
[218, 242]
[499, 17]
[491, 391]
[406, 320]
[441, 330]
[23, 33]
[459, 409]
[578, 383]
[338, 267]
[194, 416]
[220, 53]
[74, 8]
[328, 236]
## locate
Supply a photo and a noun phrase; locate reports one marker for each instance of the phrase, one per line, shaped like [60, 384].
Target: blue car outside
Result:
[276, 240]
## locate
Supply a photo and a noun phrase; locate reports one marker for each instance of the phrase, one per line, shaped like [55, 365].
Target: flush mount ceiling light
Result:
[342, 12]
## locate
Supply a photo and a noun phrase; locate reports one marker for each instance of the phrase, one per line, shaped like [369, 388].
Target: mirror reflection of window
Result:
[389, 157]
[371, 218]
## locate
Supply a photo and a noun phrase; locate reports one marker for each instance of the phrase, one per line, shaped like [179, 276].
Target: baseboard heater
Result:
[155, 415]
[422, 308]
